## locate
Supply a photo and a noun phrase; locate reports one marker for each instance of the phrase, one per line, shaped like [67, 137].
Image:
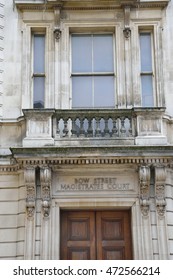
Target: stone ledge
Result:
[150, 140]
[38, 142]
[94, 142]
[87, 5]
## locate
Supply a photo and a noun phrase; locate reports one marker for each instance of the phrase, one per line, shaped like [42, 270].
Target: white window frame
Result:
[154, 27]
[64, 48]
[149, 73]
[38, 74]
[27, 63]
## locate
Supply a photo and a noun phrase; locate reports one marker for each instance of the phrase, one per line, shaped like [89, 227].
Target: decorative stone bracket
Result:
[144, 177]
[127, 30]
[45, 181]
[57, 14]
[29, 175]
[160, 178]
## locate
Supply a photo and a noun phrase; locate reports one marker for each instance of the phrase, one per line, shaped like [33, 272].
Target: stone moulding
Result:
[9, 168]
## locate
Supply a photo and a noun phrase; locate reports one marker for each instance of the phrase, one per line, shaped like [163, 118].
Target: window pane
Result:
[104, 92]
[81, 53]
[145, 49]
[82, 92]
[39, 92]
[103, 53]
[147, 91]
[39, 53]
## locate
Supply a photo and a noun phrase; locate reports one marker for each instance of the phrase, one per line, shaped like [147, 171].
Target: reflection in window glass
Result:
[38, 70]
[82, 92]
[92, 71]
[146, 70]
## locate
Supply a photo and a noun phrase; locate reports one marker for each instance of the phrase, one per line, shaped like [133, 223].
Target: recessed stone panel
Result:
[94, 183]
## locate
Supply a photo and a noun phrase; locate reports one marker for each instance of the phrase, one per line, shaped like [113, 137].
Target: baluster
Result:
[90, 129]
[130, 126]
[58, 132]
[97, 130]
[82, 131]
[123, 129]
[65, 130]
[106, 130]
[73, 129]
[115, 128]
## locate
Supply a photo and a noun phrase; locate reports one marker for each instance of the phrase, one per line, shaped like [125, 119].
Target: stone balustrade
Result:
[94, 124]
[69, 127]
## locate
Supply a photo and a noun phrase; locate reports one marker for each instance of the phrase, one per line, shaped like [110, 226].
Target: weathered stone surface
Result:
[62, 158]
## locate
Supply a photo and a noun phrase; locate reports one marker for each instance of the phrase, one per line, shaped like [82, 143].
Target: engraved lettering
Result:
[81, 180]
[91, 184]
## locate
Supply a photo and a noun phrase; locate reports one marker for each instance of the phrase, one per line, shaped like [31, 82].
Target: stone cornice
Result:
[94, 155]
[88, 5]
[139, 151]
[121, 155]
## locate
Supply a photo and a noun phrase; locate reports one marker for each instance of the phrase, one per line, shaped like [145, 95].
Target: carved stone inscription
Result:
[90, 184]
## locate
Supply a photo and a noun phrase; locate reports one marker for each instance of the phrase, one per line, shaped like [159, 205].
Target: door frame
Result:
[141, 240]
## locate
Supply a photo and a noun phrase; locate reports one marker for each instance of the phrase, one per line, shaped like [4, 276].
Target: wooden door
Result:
[113, 235]
[90, 235]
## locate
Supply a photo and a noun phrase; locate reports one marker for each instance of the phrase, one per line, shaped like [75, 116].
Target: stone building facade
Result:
[86, 122]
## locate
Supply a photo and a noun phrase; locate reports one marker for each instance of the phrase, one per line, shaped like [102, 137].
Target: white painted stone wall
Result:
[9, 203]
[12, 65]
[168, 55]
[1, 55]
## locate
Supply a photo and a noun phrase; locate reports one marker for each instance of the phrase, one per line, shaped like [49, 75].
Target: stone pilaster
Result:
[160, 179]
[30, 183]
[127, 55]
[46, 230]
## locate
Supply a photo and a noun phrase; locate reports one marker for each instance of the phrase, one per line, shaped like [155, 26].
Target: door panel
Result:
[113, 236]
[78, 235]
[113, 253]
[89, 235]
